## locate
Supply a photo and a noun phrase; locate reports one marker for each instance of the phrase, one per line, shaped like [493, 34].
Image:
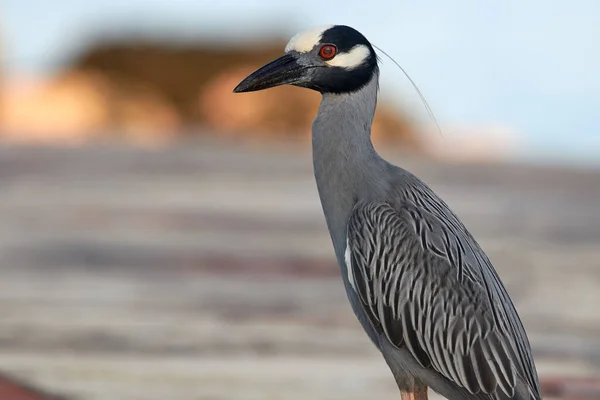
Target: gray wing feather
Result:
[427, 285]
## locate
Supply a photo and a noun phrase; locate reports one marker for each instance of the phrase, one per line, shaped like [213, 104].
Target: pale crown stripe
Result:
[304, 42]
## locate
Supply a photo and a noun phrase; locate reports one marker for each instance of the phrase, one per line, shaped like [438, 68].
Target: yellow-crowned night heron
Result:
[423, 289]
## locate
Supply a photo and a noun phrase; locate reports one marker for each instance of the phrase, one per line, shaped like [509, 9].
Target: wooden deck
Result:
[206, 272]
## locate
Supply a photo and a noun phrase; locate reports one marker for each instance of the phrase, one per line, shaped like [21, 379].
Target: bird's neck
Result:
[342, 128]
[344, 159]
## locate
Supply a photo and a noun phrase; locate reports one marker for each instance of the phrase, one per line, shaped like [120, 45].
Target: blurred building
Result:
[152, 92]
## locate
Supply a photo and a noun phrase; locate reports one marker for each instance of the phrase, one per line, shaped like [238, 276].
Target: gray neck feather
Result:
[347, 167]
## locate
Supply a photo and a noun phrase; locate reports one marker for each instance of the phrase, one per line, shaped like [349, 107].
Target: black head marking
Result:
[337, 79]
[344, 37]
[348, 68]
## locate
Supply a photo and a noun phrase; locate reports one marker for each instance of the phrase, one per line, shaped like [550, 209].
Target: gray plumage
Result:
[421, 282]
[423, 289]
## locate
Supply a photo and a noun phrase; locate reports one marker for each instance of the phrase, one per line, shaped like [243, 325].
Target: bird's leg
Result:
[414, 395]
[418, 392]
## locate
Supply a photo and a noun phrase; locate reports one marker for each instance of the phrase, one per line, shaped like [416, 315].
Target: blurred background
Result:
[162, 238]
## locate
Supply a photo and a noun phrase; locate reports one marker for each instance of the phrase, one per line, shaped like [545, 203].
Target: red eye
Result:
[327, 51]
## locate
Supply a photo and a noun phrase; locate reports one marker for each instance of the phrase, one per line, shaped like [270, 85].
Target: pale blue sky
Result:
[531, 65]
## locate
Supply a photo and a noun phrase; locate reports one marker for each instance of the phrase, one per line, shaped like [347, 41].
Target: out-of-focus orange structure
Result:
[151, 93]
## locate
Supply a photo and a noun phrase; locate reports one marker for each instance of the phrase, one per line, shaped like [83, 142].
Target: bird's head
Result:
[331, 59]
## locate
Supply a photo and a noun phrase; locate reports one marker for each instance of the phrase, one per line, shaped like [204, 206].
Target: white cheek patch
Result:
[305, 41]
[352, 59]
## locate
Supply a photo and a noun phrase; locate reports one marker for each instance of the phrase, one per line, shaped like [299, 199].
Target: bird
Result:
[421, 286]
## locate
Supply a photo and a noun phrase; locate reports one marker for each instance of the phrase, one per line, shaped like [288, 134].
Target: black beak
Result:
[282, 71]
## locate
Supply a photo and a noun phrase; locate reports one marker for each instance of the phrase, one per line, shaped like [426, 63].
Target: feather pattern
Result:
[427, 286]
[423, 290]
